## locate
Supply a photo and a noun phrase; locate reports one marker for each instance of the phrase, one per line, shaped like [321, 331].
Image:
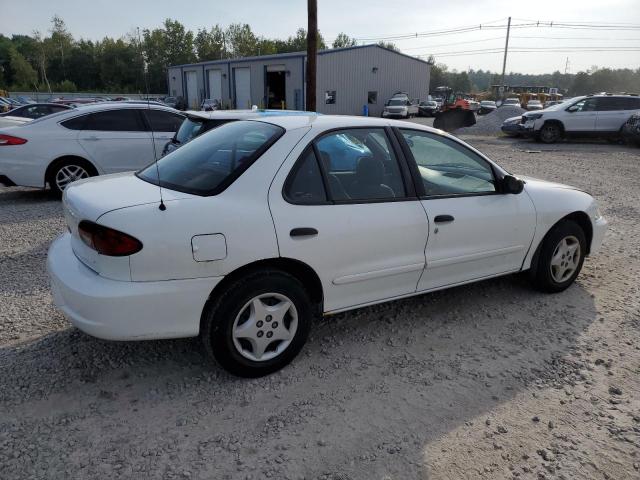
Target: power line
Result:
[485, 52]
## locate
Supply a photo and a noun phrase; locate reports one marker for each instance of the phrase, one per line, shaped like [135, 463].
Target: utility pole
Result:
[566, 66]
[504, 62]
[312, 51]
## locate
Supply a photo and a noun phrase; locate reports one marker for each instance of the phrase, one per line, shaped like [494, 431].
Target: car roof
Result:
[242, 114]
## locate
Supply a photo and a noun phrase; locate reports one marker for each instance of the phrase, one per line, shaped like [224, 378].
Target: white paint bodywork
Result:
[364, 253]
[47, 141]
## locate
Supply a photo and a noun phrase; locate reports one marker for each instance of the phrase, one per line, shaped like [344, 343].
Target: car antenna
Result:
[162, 206]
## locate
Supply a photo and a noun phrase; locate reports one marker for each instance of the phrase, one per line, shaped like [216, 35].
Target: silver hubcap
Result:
[68, 174]
[265, 327]
[565, 259]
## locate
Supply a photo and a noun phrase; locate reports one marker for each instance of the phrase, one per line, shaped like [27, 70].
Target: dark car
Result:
[428, 108]
[209, 105]
[631, 130]
[179, 103]
[513, 126]
[36, 110]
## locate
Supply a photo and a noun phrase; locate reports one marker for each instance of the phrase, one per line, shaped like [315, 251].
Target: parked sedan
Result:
[428, 108]
[534, 105]
[513, 126]
[487, 106]
[83, 142]
[254, 234]
[36, 110]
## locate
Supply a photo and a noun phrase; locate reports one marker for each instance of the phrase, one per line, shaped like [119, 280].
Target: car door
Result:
[117, 140]
[164, 125]
[474, 231]
[357, 223]
[581, 116]
[613, 112]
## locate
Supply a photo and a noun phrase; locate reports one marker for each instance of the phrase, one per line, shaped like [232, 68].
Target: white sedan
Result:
[83, 142]
[261, 225]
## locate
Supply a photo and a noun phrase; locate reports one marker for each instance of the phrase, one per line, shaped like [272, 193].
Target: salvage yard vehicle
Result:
[247, 233]
[428, 108]
[631, 130]
[487, 106]
[83, 142]
[36, 110]
[400, 107]
[513, 126]
[587, 116]
[534, 105]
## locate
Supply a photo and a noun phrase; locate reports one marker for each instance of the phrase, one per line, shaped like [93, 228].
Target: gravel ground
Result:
[490, 380]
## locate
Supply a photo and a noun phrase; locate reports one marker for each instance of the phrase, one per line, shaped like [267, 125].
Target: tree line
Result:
[59, 62]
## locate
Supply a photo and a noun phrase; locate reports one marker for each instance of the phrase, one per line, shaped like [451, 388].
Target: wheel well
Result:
[555, 122]
[581, 219]
[300, 270]
[53, 165]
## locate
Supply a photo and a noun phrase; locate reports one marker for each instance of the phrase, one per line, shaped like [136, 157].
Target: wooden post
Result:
[312, 51]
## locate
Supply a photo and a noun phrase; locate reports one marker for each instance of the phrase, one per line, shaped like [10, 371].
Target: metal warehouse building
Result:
[347, 79]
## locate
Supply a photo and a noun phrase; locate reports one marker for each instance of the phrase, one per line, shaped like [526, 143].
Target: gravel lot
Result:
[491, 380]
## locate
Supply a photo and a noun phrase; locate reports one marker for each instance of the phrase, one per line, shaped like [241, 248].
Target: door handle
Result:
[443, 218]
[303, 232]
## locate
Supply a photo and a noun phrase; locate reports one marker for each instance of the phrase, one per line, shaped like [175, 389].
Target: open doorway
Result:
[276, 86]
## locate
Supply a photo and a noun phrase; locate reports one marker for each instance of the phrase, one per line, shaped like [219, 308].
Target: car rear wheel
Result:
[258, 324]
[68, 171]
[560, 257]
[550, 133]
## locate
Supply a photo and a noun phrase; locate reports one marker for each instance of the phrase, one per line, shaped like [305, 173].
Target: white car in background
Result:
[261, 225]
[83, 142]
[587, 116]
[534, 105]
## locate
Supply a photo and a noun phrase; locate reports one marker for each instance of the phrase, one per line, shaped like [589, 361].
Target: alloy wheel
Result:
[68, 174]
[565, 259]
[265, 327]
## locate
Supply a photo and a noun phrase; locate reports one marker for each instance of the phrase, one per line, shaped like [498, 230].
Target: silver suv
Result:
[591, 115]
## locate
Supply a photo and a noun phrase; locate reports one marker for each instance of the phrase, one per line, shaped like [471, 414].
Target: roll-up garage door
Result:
[242, 85]
[215, 85]
[192, 90]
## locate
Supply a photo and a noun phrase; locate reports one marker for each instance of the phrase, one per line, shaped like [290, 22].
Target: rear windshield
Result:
[210, 163]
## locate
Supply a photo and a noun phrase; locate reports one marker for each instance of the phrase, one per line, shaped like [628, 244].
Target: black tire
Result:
[550, 133]
[55, 170]
[541, 270]
[220, 314]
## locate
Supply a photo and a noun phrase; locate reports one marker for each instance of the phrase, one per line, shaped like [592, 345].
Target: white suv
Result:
[83, 142]
[591, 115]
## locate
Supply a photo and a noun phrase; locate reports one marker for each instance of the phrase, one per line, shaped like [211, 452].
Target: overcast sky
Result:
[95, 19]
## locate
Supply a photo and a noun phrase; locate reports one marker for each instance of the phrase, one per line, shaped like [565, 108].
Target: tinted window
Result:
[360, 165]
[446, 167]
[618, 103]
[161, 121]
[211, 162]
[126, 120]
[76, 123]
[304, 184]
[56, 108]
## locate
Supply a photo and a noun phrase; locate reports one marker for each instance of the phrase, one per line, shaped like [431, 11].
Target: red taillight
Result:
[10, 140]
[107, 241]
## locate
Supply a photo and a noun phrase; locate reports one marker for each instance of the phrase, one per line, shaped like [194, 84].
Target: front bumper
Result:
[123, 310]
[599, 229]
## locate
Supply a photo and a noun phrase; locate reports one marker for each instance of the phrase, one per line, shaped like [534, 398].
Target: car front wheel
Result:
[258, 324]
[550, 133]
[560, 257]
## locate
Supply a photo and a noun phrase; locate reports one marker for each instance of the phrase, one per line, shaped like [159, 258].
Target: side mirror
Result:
[572, 108]
[511, 184]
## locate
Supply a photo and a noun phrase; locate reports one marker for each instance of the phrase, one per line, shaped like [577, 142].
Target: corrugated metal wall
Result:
[350, 72]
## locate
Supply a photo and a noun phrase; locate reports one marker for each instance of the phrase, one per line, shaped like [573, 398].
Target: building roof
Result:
[293, 55]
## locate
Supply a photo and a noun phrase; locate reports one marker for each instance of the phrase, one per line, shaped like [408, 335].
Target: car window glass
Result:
[76, 123]
[446, 167]
[209, 163]
[360, 165]
[304, 184]
[125, 120]
[586, 105]
[161, 121]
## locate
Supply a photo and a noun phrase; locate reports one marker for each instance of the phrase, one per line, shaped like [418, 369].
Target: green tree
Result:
[241, 41]
[389, 45]
[23, 74]
[209, 44]
[344, 40]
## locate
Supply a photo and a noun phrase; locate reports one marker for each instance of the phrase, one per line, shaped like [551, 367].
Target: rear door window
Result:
[125, 120]
[304, 185]
[210, 163]
[161, 121]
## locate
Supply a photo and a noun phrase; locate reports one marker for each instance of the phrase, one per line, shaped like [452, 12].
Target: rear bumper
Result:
[122, 310]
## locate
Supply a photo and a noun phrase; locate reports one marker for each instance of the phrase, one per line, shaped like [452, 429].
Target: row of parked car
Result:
[255, 222]
[604, 115]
